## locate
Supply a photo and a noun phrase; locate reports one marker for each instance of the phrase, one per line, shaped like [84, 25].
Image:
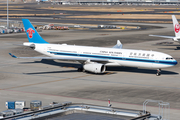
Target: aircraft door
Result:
[155, 60]
[123, 57]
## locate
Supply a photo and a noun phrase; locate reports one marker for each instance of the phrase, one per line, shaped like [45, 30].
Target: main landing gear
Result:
[158, 72]
[80, 69]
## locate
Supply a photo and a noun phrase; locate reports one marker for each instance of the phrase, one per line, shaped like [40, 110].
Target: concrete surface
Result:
[49, 81]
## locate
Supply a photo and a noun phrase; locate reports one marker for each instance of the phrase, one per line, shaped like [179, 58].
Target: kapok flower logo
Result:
[177, 28]
[30, 31]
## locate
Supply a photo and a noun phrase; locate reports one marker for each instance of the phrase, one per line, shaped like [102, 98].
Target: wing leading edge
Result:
[162, 36]
[62, 58]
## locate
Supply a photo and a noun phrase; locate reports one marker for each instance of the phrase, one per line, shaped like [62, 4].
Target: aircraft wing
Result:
[63, 58]
[162, 36]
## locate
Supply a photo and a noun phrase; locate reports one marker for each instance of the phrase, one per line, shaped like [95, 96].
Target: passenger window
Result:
[147, 54]
[152, 55]
[139, 54]
[143, 54]
[134, 53]
[131, 53]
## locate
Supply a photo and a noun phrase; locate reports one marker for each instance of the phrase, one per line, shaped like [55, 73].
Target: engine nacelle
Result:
[95, 67]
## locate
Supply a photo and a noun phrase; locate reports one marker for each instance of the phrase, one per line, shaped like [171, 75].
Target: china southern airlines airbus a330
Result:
[95, 59]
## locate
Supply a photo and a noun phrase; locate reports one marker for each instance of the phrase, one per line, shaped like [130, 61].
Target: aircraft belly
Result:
[161, 66]
[136, 64]
[113, 63]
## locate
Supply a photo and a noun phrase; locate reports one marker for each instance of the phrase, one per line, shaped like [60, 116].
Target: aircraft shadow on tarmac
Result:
[52, 72]
[112, 69]
[140, 70]
[170, 48]
[176, 47]
[169, 45]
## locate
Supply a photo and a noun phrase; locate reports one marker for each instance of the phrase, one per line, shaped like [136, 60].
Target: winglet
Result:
[12, 55]
[118, 45]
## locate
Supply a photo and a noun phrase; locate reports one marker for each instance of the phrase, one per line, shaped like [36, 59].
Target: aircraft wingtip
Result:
[12, 55]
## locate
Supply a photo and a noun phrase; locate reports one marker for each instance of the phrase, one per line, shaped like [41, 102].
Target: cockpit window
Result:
[169, 58]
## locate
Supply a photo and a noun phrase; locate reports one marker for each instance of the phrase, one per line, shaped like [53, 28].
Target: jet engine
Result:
[95, 67]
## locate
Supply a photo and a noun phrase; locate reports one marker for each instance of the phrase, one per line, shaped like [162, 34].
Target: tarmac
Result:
[47, 80]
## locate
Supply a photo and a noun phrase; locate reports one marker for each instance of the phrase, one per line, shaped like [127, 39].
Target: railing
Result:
[163, 113]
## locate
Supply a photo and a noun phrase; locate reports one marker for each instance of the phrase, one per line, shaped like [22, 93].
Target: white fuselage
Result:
[116, 57]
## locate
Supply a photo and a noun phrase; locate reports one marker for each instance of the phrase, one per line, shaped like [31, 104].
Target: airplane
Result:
[176, 26]
[95, 59]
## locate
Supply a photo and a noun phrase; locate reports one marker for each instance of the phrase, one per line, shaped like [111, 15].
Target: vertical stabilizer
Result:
[32, 34]
[176, 26]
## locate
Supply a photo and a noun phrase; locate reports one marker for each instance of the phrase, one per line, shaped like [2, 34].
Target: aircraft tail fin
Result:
[176, 26]
[31, 33]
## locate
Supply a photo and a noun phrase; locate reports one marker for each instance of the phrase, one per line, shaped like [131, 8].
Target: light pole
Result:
[7, 16]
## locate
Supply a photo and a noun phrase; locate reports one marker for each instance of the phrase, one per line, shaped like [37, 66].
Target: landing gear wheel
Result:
[80, 69]
[177, 47]
[158, 72]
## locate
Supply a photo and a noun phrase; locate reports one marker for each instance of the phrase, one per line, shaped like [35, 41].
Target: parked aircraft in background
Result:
[95, 59]
[176, 26]
[41, 0]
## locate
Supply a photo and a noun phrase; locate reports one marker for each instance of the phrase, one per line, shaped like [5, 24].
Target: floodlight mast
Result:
[7, 16]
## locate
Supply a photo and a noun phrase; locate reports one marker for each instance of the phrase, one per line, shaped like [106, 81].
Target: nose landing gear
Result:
[158, 72]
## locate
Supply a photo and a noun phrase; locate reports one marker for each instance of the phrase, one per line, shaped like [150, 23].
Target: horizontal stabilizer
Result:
[118, 45]
[163, 36]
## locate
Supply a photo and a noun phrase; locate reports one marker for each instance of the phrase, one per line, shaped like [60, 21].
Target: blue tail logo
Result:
[32, 34]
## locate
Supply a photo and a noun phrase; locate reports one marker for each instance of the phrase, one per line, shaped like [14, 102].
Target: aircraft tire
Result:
[80, 69]
[158, 74]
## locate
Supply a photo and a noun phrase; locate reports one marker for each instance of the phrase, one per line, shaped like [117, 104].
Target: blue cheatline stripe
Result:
[116, 58]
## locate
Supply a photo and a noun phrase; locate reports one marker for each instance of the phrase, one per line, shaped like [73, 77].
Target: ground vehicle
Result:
[6, 113]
